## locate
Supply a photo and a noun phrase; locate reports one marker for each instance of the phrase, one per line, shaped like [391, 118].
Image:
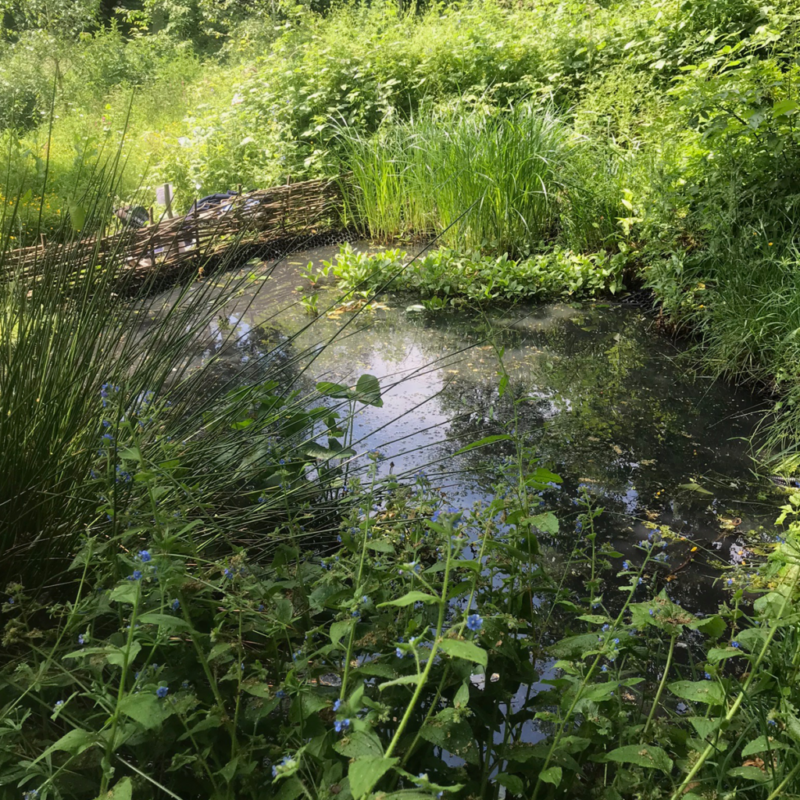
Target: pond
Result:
[601, 396]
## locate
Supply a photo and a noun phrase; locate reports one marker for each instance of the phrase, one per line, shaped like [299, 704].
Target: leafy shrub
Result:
[183, 665]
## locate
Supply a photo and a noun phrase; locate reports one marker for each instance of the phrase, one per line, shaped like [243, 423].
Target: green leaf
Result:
[469, 651]
[503, 437]
[365, 772]
[784, 107]
[513, 783]
[116, 655]
[166, 621]
[146, 709]
[749, 773]
[122, 791]
[404, 681]
[125, 592]
[368, 391]
[77, 215]
[74, 742]
[461, 700]
[218, 649]
[548, 523]
[229, 770]
[380, 547]
[410, 598]
[643, 755]
[693, 487]
[359, 744]
[551, 775]
[762, 744]
[339, 629]
[699, 691]
[704, 727]
[333, 389]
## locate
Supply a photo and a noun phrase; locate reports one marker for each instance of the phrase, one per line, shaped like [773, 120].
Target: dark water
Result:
[599, 394]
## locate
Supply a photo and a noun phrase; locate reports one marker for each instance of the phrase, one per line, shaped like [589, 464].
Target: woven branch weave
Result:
[255, 218]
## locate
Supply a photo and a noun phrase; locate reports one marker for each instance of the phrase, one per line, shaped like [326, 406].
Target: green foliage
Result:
[446, 277]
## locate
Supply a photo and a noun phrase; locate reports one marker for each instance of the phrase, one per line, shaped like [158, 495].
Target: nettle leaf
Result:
[643, 755]
[365, 772]
[147, 709]
[469, 651]
[699, 691]
[410, 598]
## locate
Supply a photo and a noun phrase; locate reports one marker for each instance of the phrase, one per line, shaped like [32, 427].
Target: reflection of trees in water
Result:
[583, 395]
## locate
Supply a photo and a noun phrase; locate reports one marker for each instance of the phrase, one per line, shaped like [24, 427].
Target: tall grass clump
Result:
[103, 380]
[507, 181]
[494, 177]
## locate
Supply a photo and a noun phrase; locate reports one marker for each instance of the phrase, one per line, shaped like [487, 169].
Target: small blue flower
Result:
[11, 601]
[82, 639]
[58, 704]
[606, 627]
[435, 515]
[707, 676]
[626, 565]
[474, 622]
[729, 581]
[137, 575]
[772, 722]
[162, 692]
[228, 573]
[108, 437]
[604, 668]
[652, 613]
[681, 708]
[735, 644]
[176, 604]
[144, 556]
[399, 653]
[341, 725]
[280, 694]
[337, 705]
[616, 641]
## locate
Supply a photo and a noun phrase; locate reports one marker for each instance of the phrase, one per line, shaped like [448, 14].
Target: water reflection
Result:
[595, 390]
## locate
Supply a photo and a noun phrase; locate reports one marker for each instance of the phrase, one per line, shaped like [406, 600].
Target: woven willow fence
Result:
[263, 218]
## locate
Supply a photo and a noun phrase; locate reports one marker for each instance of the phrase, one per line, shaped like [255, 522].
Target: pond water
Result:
[604, 399]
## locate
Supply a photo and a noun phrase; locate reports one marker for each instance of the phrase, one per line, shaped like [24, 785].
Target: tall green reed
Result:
[421, 176]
